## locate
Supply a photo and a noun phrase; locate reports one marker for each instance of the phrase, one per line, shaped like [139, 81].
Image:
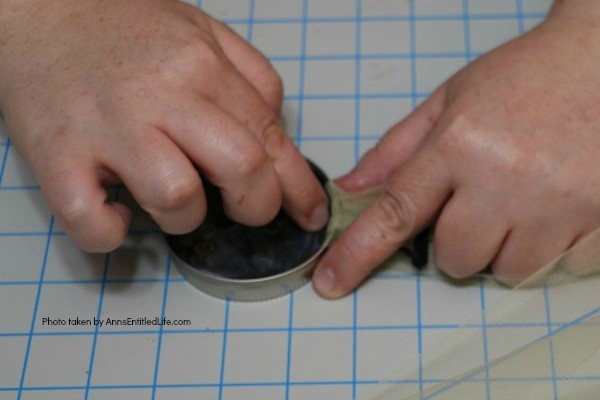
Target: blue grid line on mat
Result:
[550, 341]
[439, 17]
[566, 378]
[4, 160]
[161, 329]
[414, 103]
[357, 98]
[470, 377]
[96, 328]
[302, 73]
[353, 381]
[290, 338]
[224, 350]
[35, 309]
[523, 325]
[484, 337]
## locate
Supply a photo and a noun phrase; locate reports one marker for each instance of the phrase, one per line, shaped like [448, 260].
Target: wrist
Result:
[582, 10]
[574, 23]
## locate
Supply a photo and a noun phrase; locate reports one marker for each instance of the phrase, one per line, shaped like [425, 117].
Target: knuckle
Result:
[252, 161]
[73, 213]
[377, 153]
[451, 269]
[506, 275]
[273, 83]
[195, 13]
[197, 50]
[445, 256]
[207, 54]
[514, 268]
[271, 135]
[96, 237]
[265, 76]
[396, 213]
[104, 244]
[311, 195]
[460, 134]
[178, 193]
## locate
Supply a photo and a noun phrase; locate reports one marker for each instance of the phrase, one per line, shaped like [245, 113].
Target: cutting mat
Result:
[351, 69]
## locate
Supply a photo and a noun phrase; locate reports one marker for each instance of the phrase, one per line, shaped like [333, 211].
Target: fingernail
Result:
[319, 217]
[343, 181]
[352, 182]
[324, 281]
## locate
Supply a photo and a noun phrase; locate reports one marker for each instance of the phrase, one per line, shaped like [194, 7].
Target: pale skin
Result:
[503, 156]
[143, 92]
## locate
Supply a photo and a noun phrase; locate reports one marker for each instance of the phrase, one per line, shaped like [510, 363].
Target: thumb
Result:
[397, 145]
[412, 199]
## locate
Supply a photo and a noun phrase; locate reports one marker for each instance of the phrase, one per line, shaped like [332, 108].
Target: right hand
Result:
[143, 92]
[503, 157]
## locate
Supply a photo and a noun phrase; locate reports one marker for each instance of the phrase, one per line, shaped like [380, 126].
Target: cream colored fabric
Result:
[345, 207]
[561, 361]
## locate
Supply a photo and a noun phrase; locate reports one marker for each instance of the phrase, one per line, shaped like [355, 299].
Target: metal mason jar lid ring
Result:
[232, 261]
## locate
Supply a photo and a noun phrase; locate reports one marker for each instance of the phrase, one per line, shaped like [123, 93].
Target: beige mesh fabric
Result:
[575, 362]
[560, 360]
[345, 207]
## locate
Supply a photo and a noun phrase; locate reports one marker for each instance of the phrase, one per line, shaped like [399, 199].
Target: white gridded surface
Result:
[351, 69]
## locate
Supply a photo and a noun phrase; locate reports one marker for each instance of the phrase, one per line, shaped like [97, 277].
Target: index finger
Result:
[303, 196]
[412, 198]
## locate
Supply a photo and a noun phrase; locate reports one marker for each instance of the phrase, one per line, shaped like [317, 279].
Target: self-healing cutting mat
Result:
[351, 69]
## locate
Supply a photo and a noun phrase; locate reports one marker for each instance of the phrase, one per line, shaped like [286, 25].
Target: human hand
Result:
[141, 92]
[504, 155]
